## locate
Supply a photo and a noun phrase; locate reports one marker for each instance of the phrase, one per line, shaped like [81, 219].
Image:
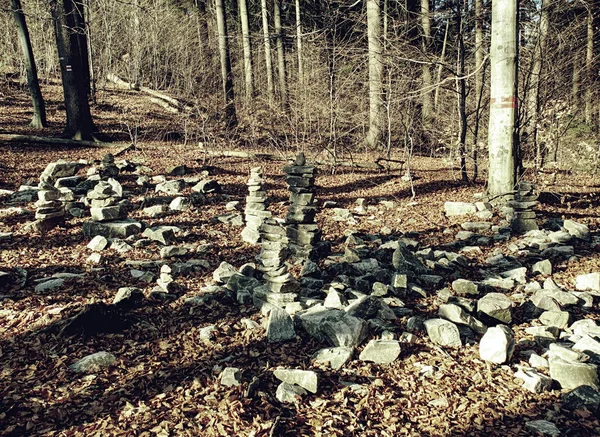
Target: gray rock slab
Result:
[543, 267]
[116, 229]
[495, 308]
[464, 287]
[49, 285]
[577, 230]
[280, 326]
[93, 362]
[98, 243]
[571, 375]
[128, 297]
[334, 357]
[381, 351]
[588, 281]
[458, 315]
[497, 345]
[582, 397]
[442, 332]
[289, 393]
[230, 377]
[459, 208]
[533, 380]
[307, 379]
[543, 427]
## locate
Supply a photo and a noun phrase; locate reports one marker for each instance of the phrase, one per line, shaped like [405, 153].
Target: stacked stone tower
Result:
[256, 206]
[523, 218]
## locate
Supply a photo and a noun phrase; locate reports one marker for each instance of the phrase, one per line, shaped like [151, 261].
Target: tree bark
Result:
[280, 53]
[79, 125]
[479, 74]
[589, 68]
[534, 95]
[39, 108]
[376, 104]
[247, 51]
[462, 95]
[299, 43]
[267, 46]
[502, 135]
[427, 107]
[226, 74]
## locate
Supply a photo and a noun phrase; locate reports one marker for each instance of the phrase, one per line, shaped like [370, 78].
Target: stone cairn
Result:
[109, 169]
[523, 217]
[50, 207]
[282, 286]
[256, 206]
[105, 200]
[301, 229]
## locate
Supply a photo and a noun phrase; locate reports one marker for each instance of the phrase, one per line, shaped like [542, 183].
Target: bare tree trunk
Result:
[79, 124]
[376, 104]
[80, 33]
[479, 74]
[202, 30]
[440, 66]
[299, 43]
[462, 95]
[267, 44]
[247, 50]
[502, 132]
[589, 68]
[39, 107]
[280, 53]
[427, 107]
[576, 80]
[90, 49]
[226, 74]
[534, 96]
[135, 59]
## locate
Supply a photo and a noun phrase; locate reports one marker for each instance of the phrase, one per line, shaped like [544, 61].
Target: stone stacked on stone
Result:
[256, 206]
[301, 229]
[50, 208]
[523, 217]
[109, 169]
[104, 200]
[281, 286]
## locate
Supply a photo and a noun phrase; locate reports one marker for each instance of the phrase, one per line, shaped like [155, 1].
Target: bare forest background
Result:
[312, 90]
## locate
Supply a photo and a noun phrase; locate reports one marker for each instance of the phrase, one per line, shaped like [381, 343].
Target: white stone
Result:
[459, 208]
[98, 243]
[497, 345]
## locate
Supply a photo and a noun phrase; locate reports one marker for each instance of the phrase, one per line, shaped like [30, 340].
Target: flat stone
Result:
[334, 357]
[207, 186]
[588, 346]
[115, 229]
[49, 285]
[128, 297]
[443, 332]
[280, 326]
[571, 375]
[307, 379]
[230, 377]
[577, 230]
[155, 211]
[381, 351]
[582, 397]
[222, 273]
[543, 267]
[559, 319]
[562, 297]
[589, 281]
[533, 380]
[289, 393]
[519, 275]
[120, 246]
[476, 226]
[93, 362]
[465, 287]
[180, 204]
[173, 251]
[170, 187]
[163, 234]
[458, 315]
[543, 427]
[564, 352]
[98, 243]
[495, 308]
[497, 345]
[459, 208]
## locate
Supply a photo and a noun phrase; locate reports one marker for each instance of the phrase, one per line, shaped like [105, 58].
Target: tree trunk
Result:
[280, 53]
[39, 108]
[462, 95]
[427, 107]
[440, 66]
[202, 30]
[534, 95]
[299, 43]
[226, 74]
[79, 124]
[589, 68]
[80, 30]
[247, 50]
[267, 45]
[502, 136]
[90, 50]
[376, 104]
[479, 74]
[576, 81]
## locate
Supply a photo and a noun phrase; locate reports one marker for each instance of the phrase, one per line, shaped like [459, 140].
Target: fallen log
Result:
[33, 139]
[271, 157]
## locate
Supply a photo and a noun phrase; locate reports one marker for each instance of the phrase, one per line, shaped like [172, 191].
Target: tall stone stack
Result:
[282, 286]
[523, 219]
[104, 200]
[302, 231]
[50, 207]
[256, 206]
[109, 169]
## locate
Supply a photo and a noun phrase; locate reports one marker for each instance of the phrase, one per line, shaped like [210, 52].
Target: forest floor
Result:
[165, 381]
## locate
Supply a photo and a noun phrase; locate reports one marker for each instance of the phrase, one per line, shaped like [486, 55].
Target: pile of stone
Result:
[523, 215]
[281, 286]
[256, 206]
[50, 207]
[302, 231]
[109, 169]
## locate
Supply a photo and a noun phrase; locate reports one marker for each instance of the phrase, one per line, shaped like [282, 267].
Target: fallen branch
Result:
[32, 139]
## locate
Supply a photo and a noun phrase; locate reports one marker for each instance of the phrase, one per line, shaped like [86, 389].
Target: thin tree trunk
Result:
[479, 50]
[589, 68]
[376, 104]
[267, 45]
[136, 50]
[90, 50]
[462, 95]
[80, 31]
[226, 74]
[247, 51]
[202, 30]
[79, 124]
[576, 81]
[280, 53]
[39, 108]
[427, 107]
[534, 96]
[440, 66]
[502, 137]
[299, 43]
